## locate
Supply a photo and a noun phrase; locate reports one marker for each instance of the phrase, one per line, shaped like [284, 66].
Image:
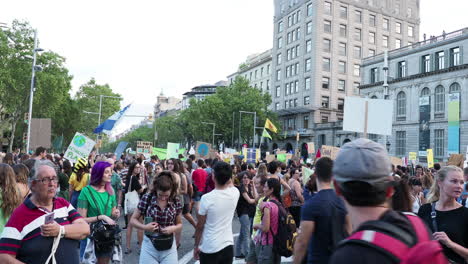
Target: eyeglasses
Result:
[47, 180]
[170, 163]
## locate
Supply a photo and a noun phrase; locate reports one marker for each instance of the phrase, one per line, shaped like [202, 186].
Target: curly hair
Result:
[10, 195]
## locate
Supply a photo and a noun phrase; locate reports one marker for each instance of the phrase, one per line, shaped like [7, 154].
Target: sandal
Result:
[128, 251]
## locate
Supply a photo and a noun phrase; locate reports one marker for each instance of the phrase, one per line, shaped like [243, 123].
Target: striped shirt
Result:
[22, 234]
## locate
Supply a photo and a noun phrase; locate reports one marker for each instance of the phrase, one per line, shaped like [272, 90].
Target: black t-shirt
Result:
[244, 207]
[353, 253]
[135, 184]
[454, 223]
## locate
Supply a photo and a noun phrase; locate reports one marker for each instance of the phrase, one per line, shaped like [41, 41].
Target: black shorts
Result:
[185, 209]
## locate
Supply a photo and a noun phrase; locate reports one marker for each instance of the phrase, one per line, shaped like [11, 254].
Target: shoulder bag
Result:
[131, 199]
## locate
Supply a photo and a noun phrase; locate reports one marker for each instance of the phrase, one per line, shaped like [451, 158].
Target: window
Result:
[326, 45]
[357, 52]
[439, 142]
[295, 102]
[261, 72]
[454, 88]
[278, 59]
[280, 26]
[340, 104]
[439, 99]
[324, 120]
[325, 101]
[288, 54]
[341, 85]
[289, 21]
[401, 106]
[306, 100]
[278, 91]
[356, 70]
[286, 89]
[327, 26]
[280, 42]
[440, 60]
[371, 52]
[342, 30]
[356, 87]
[358, 16]
[296, 87]
[342, 49]
[401, 69]
[372, 20]
[278, 75]
[357, 34]
[343, 12]
[397, 43]
[398, 27]
[308, 46]
[289, 38]
[291, 123]
[256, 74]
[309, 9]
[374, 75]
[400, 143]
[309, 28]
[410, 31]
[307, 83]
[455, 56]
[307, 65]
[425, 92]
[327, 8]
[372, 37]
[325, 82]
[306, 119]
[286, 104]
[386, 24]
[426, 63]
[277, 106]
[268, 85]
[385, 41]
[326, 64]
[342, 67]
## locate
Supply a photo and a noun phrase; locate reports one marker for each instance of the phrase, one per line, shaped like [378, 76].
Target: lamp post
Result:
[214, 125]
[100, 113]
[255, 122]
[388, 146]
[31, 93]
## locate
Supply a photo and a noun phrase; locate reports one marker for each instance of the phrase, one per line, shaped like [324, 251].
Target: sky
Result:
[143, 47]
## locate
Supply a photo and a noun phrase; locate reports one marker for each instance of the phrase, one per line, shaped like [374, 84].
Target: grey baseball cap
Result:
[362, 160]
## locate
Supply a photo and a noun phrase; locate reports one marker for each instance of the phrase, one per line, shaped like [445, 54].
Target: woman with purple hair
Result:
[97, 202]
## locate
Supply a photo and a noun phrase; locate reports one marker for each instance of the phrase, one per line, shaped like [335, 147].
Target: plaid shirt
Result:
[166, 217]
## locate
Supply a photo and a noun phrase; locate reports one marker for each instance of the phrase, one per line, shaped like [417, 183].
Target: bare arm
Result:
[78, 230]
[199, 229]
[286, 186]
[183, 183]
[306, 230]
[265, 226]
[247, 198]
[9, 259]
[70, 191]
[84, 213]
[298, 190]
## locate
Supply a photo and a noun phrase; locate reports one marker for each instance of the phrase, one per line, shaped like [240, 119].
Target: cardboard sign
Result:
[329, 151]
[202, 150]
[456, 160]
[430, 158]
[80, 147]
[412, 156]
[144, 147]
[396, 161]
[281, 157]
[311, 148]
[172, 150]
[270, 158]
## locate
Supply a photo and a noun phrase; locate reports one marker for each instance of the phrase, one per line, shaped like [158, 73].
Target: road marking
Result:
[189, 256]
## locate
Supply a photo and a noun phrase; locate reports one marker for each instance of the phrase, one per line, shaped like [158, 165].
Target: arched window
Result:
[373, 97]
[454, 88]
[401, 104]
[439, 99]
[425, 92]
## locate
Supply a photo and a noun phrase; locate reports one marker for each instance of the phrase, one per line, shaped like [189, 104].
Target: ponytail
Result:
[434, 192]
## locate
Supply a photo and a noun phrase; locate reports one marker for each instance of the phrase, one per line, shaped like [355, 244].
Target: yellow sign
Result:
[430, 159]
[412, 156]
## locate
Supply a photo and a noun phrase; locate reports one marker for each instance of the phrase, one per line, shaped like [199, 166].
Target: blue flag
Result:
[109, 124]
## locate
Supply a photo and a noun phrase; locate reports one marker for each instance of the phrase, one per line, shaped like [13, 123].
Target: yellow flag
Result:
[269, 125]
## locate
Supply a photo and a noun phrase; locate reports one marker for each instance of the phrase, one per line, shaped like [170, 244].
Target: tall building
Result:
[256, 69]
[316, 57]
[166, 106]
[428, 84]
[200, 92]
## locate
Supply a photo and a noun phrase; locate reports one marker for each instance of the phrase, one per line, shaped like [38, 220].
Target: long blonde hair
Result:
[10, 195]
[434, 193]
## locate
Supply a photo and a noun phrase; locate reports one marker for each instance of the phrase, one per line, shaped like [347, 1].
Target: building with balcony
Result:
[428, 83]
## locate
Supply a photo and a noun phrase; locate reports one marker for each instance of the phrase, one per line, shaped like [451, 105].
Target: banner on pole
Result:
[430, 158]
[120, 149]
[454, 124]
[80, 147]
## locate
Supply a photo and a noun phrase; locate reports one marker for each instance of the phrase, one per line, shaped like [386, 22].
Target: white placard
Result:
[379, 115]
[80, 147]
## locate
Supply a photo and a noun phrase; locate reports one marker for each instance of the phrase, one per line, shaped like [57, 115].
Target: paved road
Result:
[186, 248]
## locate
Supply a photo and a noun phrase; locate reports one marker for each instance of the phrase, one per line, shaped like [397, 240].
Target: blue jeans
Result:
[74, 199]
[150, 255]
[243, 241]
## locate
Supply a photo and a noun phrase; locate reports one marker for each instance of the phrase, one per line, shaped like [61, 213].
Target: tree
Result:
[169, 129]
[87, 99]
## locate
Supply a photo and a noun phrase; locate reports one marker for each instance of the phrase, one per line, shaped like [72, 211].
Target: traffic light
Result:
[26, 118]
[25, 137]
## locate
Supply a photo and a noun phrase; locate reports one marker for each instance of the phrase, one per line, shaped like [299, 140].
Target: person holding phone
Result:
[161, 210]
[97, 202]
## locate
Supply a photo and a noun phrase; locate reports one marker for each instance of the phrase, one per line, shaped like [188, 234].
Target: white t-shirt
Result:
[219, 207]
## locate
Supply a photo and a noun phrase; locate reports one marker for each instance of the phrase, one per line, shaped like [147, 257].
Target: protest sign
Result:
[281, 157]
[145, 148]
[430, 158]
[270, 158]
[306, 173]
[311, 148]
[412, 156]
[396, 161]
[202, 150]
[329, 151]
[80, 147]
[172, 150]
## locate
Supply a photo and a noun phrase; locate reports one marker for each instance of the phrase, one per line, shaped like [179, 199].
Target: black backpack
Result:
[283, 241]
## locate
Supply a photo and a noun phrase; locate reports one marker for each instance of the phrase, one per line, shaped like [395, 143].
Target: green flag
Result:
[266, 134]
[281, 157]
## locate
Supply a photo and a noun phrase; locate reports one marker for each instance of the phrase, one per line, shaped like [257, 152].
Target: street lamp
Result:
[388, 146]
[214, 125]
[31, 96]
[255, 123]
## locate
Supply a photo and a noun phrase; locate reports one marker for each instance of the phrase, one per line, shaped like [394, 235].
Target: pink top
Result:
[266, 238]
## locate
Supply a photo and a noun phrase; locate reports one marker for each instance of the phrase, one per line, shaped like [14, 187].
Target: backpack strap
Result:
[433, 217]
[418, 226]
[384, 243]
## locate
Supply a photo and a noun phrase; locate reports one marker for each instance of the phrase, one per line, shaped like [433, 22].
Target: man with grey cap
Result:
[362, 176]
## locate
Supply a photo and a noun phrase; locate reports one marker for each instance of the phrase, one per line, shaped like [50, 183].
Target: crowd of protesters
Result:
[357, 208]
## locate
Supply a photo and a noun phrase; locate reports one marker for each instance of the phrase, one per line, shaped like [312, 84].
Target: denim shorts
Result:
[262, 254]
